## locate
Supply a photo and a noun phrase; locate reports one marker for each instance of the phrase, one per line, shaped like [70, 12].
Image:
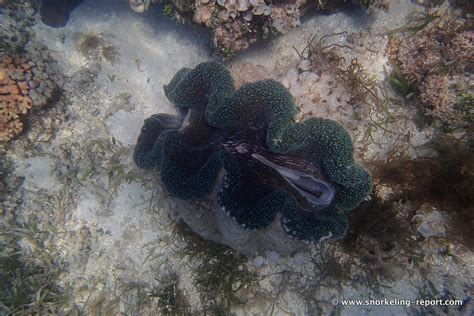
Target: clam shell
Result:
[258, 10]
[304, 65]
[242, 5]
[267, 10]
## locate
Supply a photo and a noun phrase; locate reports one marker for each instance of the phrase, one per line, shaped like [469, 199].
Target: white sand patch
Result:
[38, 174]
[125, 127]
[126, 226]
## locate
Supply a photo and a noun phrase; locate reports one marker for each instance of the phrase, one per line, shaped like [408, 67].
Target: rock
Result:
[139, 6]
[258, 261]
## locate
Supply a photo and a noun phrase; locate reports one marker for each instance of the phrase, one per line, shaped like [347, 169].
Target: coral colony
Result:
[247, 143]
[24, 83]
[433, 58]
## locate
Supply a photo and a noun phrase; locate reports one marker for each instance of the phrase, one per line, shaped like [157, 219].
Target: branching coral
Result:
[247, 143]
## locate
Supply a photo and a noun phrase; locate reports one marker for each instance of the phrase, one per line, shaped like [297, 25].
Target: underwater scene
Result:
[236, 157]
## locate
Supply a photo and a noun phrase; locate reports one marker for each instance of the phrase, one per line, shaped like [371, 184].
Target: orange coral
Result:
[16, 77]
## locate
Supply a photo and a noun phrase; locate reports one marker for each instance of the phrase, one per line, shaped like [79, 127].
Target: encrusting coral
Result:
[247, 143]
[29, 78]
[23, 84]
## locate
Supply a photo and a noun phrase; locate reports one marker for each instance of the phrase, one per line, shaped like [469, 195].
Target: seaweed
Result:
[364, 89]
[465, 104]
[417, 22]
[89, 44]
[219, 272]
[321, 54]
[168, 10]
[29, 275]
[227, 53]
[170, 298]
[445, 181]
[400, 84]
[93, 45]
[132, 298]
[95, 157]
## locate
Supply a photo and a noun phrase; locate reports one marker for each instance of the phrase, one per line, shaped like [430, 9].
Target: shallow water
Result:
[77, 206]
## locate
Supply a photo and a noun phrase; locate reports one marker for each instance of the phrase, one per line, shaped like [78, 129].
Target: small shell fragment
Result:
[304, 65]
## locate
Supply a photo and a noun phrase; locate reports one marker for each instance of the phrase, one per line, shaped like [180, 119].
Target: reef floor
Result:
[79, 202]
